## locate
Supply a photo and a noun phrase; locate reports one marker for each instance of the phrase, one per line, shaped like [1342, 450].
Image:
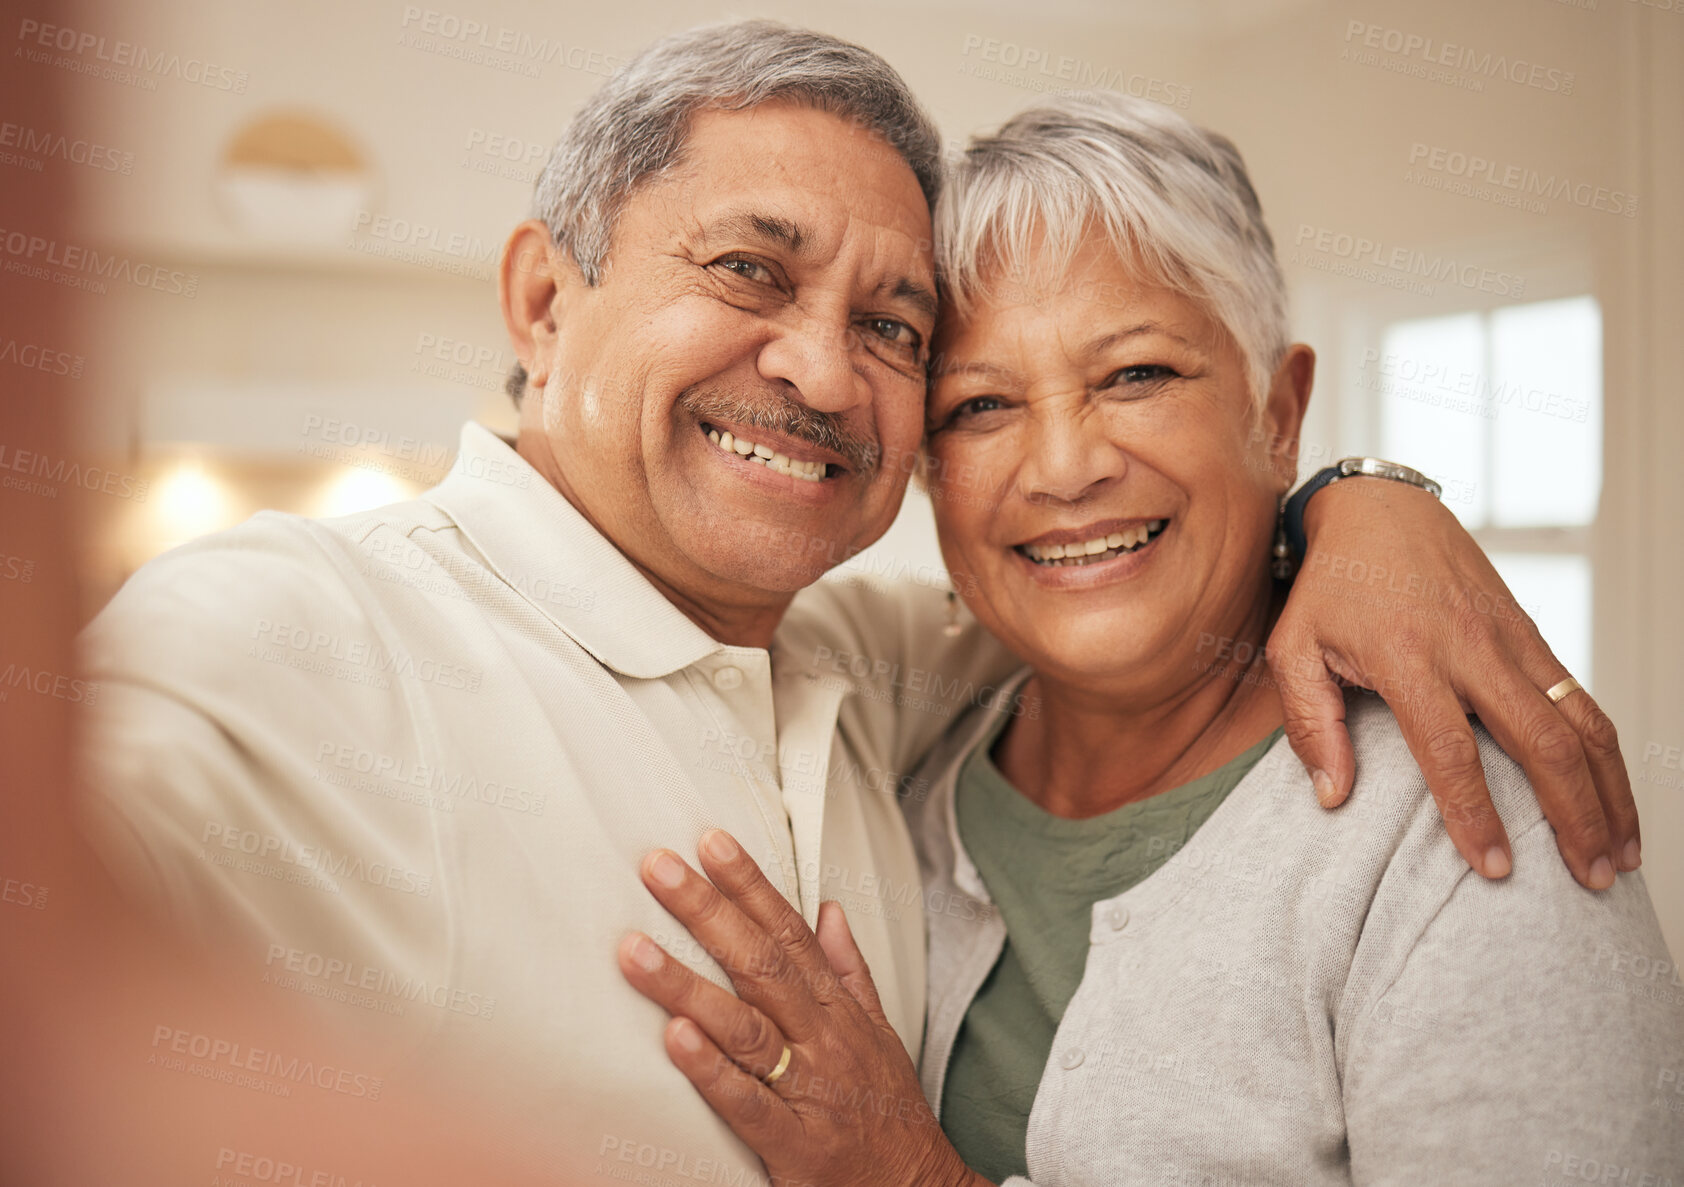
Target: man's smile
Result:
[802, 461]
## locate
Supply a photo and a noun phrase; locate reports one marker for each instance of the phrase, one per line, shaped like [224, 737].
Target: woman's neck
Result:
[1089, 751]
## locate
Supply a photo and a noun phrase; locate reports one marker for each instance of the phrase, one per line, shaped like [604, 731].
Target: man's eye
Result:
[897, 332]
[746, 268]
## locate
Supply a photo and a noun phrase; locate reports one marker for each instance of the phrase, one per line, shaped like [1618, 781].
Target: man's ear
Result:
[528, 276]
[1283, 411]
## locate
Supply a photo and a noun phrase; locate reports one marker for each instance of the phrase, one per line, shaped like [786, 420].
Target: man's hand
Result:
[846, 1109]
[1395, 596]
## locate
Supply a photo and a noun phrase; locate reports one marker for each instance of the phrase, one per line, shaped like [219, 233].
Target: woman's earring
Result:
[1282, 565]
[952, 630]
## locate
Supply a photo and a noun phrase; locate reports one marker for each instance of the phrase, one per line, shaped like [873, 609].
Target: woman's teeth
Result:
[768, 457]
[1100, 548]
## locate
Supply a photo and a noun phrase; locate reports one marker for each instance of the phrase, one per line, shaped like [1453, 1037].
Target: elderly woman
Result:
[1170, 965]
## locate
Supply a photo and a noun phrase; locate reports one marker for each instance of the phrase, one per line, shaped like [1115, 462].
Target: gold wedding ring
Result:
[783, 1066]
[1559, 692]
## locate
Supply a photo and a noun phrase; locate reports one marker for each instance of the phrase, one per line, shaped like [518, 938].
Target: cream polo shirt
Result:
[407, 762]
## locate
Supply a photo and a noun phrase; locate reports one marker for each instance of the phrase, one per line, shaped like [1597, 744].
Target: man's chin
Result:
[778, 556]
[766, 558]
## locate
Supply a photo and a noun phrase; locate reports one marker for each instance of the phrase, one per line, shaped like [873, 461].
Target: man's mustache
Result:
[826, 430]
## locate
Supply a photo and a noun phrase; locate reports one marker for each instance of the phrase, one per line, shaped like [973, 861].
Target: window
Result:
[1504, 408]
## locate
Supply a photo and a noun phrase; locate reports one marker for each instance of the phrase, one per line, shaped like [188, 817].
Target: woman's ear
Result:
[529, 276]
[1283, 411]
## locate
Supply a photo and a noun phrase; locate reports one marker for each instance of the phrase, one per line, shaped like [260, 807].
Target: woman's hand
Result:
[1394, 595]
[846, 1109]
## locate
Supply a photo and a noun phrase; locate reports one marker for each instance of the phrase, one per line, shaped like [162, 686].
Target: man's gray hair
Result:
[635, 126]
[1169, 194]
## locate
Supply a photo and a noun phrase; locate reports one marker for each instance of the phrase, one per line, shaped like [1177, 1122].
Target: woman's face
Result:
[1104, 488]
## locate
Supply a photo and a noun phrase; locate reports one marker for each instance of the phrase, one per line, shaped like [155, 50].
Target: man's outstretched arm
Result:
[1394, 595]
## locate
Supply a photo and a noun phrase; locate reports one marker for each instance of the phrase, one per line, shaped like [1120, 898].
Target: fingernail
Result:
[1497, 864]
[667, 870]
[1325, 791]
[718, 845]
[687, 1037]
[1601, 874]
[1633, 856]
[646, 955]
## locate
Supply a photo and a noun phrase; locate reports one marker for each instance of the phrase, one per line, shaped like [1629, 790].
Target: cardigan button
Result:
[1072, 1059]
[1117, 916]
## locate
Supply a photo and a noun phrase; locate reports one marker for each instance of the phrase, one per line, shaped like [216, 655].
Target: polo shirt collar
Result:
[548, 552]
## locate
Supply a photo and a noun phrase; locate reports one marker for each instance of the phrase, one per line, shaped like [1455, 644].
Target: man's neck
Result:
[747, 619]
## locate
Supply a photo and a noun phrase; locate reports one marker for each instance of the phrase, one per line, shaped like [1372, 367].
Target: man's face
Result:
[777, 286]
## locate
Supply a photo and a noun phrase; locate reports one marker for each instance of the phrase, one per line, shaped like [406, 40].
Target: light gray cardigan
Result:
[1310, 997]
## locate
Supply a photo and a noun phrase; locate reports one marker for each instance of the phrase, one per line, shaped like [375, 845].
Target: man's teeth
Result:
[768, 457]
[1100, 548]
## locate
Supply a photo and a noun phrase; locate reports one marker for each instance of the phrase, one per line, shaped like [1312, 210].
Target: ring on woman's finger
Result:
[783, 1066]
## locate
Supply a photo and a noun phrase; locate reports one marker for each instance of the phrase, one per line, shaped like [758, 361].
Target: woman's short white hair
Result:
[1168, 193]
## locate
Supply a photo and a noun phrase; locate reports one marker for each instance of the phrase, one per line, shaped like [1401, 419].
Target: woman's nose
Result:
[1070, 458]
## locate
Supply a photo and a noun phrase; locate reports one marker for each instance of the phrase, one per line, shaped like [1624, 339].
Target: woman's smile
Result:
[1094, 554]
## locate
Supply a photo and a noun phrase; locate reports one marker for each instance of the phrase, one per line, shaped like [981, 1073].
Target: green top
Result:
[1045, 873]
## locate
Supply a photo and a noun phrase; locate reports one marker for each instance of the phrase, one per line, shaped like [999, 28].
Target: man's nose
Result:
[813, 353]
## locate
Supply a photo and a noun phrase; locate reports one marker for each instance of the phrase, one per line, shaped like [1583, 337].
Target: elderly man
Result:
[407, 762]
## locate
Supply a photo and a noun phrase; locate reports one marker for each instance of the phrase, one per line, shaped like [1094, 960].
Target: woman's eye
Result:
[975, 406]
[1139, 373]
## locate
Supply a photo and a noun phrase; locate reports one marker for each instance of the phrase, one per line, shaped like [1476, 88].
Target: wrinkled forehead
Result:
[831, 178]
[1043, 269]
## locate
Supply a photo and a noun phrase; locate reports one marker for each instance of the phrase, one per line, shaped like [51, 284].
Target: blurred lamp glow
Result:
[189, 503]
[359, 490]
